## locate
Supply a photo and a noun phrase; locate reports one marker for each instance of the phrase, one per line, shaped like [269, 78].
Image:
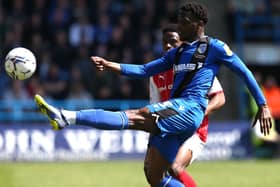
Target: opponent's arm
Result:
[216, 101]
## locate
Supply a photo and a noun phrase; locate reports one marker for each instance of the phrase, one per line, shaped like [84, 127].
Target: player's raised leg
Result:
[57, 120]
[138, 119]
[96, 118]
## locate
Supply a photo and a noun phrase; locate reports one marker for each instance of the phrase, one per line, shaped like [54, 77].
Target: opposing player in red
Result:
[160, 87]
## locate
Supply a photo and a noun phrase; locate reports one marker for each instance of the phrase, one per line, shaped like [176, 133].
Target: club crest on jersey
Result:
[227, 50]
[181, 49]
[202, 48]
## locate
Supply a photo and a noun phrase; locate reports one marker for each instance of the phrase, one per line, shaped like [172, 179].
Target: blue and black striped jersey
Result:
[219, 53]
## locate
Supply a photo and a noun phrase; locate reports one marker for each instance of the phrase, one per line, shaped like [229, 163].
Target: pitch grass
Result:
[130, 174]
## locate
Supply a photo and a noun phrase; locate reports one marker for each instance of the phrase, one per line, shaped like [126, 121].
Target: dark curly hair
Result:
[198, 10]
[169, 28]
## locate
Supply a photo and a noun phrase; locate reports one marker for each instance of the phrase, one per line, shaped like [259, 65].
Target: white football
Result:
[20, 63]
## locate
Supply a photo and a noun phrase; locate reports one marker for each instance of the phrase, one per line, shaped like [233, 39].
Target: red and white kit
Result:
[160, 86]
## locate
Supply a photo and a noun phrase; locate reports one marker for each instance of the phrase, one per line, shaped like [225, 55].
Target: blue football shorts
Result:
[177, 120]
[167, 146]
[177, 116]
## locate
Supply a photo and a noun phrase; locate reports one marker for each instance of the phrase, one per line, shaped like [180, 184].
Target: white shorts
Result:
[195, 144]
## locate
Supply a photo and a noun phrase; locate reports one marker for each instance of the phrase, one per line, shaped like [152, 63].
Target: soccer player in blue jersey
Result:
[160, 86]
[195, 63]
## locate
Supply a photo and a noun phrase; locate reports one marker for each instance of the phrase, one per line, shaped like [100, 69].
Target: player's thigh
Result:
[155, 165]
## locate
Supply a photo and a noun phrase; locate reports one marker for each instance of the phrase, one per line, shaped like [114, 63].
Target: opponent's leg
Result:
[177, 169]
[187, 153]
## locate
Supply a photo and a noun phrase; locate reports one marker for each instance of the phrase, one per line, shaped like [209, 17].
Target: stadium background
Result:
[63, 34]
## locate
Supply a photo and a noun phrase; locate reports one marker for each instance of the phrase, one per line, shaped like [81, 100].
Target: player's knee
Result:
[150, 120]
[176, 168]
[142, 119]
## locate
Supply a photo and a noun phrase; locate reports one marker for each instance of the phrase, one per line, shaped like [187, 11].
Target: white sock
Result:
[70, 116]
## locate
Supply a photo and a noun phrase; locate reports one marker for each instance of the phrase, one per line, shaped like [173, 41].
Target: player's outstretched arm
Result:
[265, 118]
[102, 64]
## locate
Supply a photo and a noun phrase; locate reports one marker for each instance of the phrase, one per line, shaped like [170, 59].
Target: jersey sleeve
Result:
[232, 61]
[151, 68]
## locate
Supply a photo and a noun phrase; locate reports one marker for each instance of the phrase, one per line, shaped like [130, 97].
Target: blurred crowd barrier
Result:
[37, 142]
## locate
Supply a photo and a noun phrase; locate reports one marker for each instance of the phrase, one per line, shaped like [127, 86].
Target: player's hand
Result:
[265, 119]
[99, 62]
